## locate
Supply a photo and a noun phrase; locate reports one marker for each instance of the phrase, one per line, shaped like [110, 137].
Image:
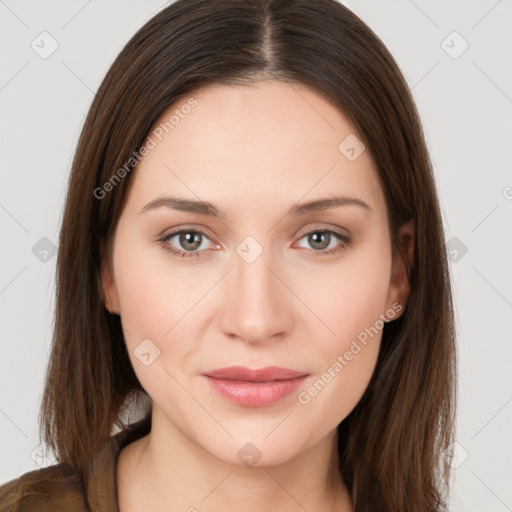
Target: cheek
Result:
[153, 305]
[152, 297]
[352, 297]
[353, 304]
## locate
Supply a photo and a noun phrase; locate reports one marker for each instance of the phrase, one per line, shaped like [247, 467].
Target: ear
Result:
[399, 289]
[108, 287]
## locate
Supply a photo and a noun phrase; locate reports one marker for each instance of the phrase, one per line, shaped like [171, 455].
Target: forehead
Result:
[273, 140]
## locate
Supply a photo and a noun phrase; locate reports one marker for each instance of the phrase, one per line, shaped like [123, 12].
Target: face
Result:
[252, 279]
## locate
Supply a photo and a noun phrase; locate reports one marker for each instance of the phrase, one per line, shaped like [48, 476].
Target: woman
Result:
[252, 245]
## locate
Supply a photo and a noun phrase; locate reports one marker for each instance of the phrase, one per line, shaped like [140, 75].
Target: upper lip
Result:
[243, 373]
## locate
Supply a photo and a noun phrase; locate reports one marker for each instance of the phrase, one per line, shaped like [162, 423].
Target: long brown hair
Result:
[391, 445]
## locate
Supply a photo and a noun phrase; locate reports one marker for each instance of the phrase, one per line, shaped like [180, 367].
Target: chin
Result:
[261, 450]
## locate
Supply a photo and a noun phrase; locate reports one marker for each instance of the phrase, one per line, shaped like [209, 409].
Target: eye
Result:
[191, 240]
[322, 239]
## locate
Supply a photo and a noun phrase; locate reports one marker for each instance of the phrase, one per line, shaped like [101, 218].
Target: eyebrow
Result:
[207, 208]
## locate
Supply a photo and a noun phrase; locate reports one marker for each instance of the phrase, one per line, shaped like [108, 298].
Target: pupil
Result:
[188, 239]
[315, 237]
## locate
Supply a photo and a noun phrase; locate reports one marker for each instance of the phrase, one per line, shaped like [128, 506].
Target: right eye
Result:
[190, 240]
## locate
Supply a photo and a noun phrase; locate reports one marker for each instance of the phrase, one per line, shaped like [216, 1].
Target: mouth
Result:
[254, 387]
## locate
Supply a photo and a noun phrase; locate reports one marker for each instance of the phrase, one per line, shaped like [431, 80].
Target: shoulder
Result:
[59, 488]
[53, 488]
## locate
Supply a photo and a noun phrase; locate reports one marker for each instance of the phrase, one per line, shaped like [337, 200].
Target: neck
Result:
[169, 471]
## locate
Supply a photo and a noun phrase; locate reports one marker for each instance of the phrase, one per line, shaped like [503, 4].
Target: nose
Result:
[257, 305]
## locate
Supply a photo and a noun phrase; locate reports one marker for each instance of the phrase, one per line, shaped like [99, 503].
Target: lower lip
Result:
[255, 394]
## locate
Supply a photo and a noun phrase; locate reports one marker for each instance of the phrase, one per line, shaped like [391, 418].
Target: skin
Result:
[253, 151]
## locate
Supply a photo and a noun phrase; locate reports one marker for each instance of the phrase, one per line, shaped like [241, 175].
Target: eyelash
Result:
[347, 242]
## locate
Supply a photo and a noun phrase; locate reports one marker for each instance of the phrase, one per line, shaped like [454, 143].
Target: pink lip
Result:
[254, 388]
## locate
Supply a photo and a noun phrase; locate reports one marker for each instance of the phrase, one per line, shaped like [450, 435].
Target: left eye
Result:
[192, 240]
[320, 240]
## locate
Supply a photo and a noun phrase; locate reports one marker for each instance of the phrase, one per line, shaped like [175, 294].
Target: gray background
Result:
[465, 100]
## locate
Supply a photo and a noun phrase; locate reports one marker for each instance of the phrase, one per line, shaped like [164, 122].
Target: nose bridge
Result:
[257, 307]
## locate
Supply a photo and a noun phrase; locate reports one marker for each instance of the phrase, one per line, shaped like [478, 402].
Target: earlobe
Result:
[399, 288]
[106, 298]
[107, 284]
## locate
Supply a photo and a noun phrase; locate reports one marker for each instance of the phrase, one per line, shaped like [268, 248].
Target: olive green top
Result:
[58, 488]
